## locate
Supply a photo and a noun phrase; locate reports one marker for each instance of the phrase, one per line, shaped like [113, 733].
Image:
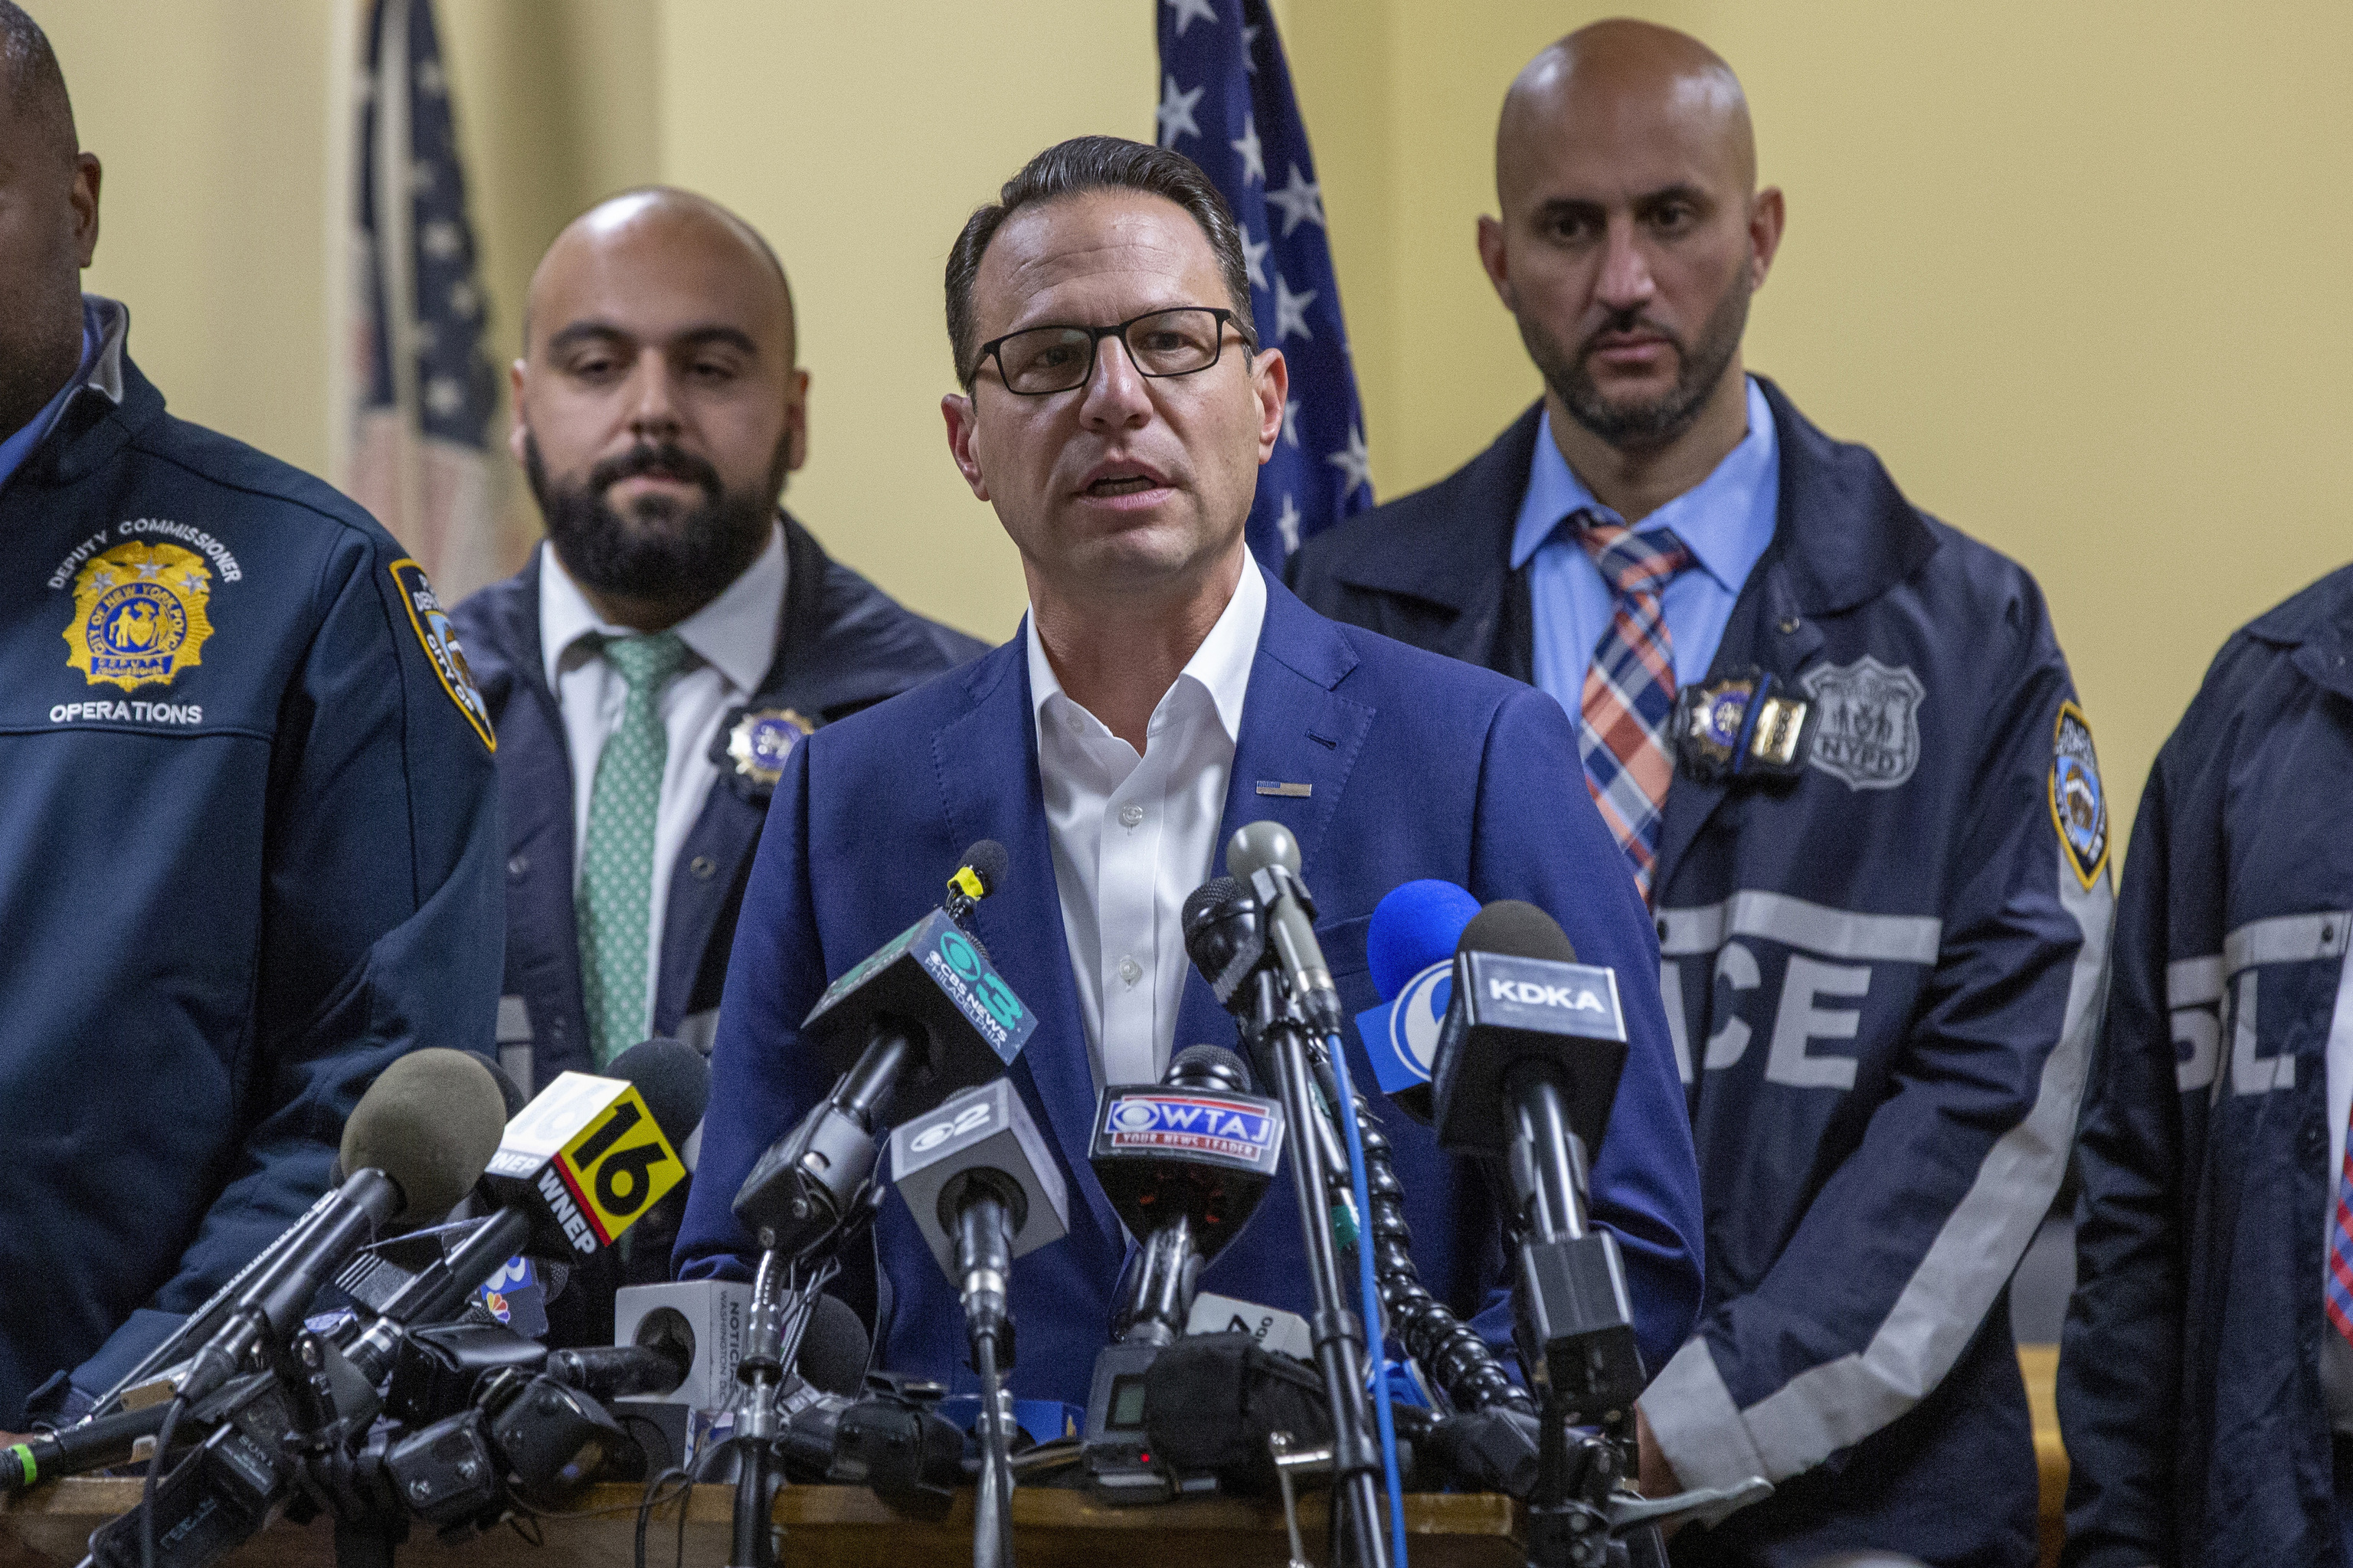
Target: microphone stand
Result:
[1339, 1333]
[783, 1306]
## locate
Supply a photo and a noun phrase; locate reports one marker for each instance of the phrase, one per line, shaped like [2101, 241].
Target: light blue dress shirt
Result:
[18, 446]
[1726, 519]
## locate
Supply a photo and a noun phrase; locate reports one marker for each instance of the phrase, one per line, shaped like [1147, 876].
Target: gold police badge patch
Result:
[139, 615]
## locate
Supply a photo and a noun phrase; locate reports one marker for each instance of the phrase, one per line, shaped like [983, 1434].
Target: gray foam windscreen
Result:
[431, 1122]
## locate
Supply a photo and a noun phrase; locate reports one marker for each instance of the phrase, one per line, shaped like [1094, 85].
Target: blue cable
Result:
[1345, 1113]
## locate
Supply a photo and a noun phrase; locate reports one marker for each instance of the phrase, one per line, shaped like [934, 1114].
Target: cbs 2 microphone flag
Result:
[1225, 103]
[414, 383]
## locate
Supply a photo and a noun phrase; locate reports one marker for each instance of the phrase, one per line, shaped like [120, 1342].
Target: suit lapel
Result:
[987, 761]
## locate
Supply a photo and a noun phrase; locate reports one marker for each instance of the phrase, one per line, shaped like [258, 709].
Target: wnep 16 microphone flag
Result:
[1225, 103]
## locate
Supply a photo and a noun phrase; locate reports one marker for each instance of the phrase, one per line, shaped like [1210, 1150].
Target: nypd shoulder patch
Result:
[2079, 802]
[440, 641]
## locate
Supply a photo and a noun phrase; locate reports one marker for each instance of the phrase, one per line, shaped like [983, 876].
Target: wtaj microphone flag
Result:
[1225, 103]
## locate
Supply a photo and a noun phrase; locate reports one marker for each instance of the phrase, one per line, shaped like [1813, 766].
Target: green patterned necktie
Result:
[618, 867]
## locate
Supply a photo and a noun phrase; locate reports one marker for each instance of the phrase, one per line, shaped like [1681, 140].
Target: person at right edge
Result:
[1883, 920]
[2206, 1372]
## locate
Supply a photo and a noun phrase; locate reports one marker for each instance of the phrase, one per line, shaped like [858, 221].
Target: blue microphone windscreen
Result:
[1416, 926]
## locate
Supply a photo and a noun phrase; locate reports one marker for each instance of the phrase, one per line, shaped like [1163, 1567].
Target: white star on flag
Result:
[1254, 160]
[1301, 200]
[1250, 50]
[1186, 10]
[1252, 255]
[440, 239]
[1175, 114]
[1290, 420]
[1288, 524]
[444, 395]
[1290, 310]
[1354, 463]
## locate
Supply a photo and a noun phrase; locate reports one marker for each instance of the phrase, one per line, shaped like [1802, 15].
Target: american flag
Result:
[1225, 103]
[418, 384]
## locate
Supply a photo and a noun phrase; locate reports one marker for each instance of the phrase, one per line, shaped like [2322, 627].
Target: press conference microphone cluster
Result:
[579, 1163]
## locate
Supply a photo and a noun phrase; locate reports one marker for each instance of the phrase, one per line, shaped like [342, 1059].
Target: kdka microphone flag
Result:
[1225, 103]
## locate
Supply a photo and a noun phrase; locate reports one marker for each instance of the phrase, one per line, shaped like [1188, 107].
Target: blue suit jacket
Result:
[1419, 767]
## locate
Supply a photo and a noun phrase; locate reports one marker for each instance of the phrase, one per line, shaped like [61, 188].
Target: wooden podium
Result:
[825, 1527]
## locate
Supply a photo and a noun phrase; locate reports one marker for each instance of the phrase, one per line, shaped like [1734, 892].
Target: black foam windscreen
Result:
[833, 1352]
[509, 1090]
[989, 862]
[1210, 1066]
[430, 1121]
[1204, 904]
[675, 1081]
[1518, 930]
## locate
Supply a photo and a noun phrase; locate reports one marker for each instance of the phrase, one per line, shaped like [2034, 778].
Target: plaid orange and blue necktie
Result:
[1629, 689]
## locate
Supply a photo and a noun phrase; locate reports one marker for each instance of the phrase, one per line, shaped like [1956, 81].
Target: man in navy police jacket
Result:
[2206, 1397]
[1885, 943]
[251, 853]
[1162, 693]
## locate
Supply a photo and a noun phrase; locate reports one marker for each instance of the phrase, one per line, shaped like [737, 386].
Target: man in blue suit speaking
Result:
[1163, 692]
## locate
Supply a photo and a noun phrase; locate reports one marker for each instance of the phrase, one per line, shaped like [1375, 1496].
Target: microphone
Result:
[920, 1018]
[982, 872]
[1230, 933]
[1265, 856]
[591, 1153]
[983, 1190]
[416, 1142]
[1410, 949]
[1528, 1064]
[705, 1320]
[1185, 1165]
[650, 1369]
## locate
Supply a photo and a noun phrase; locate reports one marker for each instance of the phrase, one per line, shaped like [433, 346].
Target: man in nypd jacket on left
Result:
[251, 853]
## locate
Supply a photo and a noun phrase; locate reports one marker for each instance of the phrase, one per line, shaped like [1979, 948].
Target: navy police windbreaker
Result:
[1886, 967]
[2189, 1389]
[248, 855]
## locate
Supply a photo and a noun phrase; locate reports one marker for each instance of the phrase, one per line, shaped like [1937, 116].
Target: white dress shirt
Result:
[1134, 835]
[730, 643]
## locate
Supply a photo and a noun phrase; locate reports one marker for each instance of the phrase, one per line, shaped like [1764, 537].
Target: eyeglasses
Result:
[1047, 359]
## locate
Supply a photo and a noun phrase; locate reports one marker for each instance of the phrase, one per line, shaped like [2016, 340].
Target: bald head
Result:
[1631, 238]
[1613, 70]
[657, 406]
[643, 226]
[40, 112]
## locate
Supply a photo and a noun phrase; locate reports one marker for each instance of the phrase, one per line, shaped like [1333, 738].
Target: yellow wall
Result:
[2075, 271]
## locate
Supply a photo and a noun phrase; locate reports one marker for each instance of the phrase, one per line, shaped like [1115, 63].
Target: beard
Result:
[659, 549]
[1643, 425]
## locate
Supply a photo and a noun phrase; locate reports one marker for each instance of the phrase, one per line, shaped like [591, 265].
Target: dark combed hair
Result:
[35, 81]
[1074, 167]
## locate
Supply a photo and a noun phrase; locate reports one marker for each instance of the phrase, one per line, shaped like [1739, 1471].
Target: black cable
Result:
[154, 1469]
[992, 1520]
[1448, 1348]
[652, 1499]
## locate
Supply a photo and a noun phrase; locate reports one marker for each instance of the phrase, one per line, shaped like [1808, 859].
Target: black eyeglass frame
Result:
[1095, 334]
